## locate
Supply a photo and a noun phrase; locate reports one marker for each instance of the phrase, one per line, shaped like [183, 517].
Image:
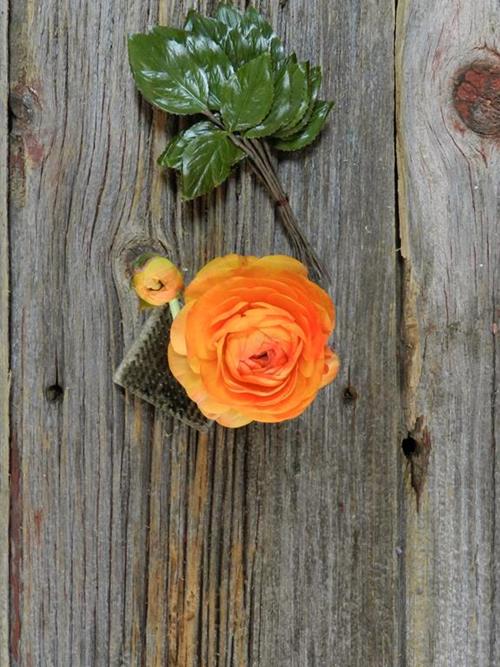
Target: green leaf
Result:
[211, 58]
[315, 78]
[172, 155]
[258, 43]
[314, 84]
[228, 15]
[207, 161]
[238, 48]
[175, 34]
[166, 73]
[281, 109]
[250, 35]
[252, 18]
[307, 135]
[291, 97]
[248, 95]
[203, 25]
[299, 96]
[261, 36]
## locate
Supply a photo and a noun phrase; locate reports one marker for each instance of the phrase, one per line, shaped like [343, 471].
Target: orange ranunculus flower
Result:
[251, 341]
[157, 281]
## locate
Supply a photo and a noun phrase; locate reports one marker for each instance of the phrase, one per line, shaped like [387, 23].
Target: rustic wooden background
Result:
[126, 539]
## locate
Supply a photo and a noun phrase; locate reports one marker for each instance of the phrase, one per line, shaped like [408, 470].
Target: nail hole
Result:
[350, 394]
[53, 393]
[409, 446]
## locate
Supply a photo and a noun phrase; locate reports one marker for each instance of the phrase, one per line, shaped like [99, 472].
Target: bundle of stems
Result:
[262, 164]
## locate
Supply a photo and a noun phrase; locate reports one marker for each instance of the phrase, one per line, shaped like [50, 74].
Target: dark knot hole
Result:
[409, 446]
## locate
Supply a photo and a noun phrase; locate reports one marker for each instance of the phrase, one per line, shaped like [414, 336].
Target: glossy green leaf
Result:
[233, 64]
[207, 161]
[290, 99]
[299, 96]
[315, 79]
[166, 73]
[261, 36]
[307, 135]
[212, 59]
[248, 95]
[228, 15]
[172, 155]
[204, 25]
[258, 43]
[175, 34]
[238, 48]
[250, 38]
[281, 109]
[243, 37]
[314, 84]
[252, 18]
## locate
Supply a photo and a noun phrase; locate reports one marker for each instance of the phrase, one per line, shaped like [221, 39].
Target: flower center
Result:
[270, 357]
[255, 347]
[258, 360]
[154, 284]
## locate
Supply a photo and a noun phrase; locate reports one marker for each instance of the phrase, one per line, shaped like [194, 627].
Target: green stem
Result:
[175, 307]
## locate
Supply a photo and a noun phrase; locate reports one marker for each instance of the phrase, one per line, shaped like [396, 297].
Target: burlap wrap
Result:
[145, 373]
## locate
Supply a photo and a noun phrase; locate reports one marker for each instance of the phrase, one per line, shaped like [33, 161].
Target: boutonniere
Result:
[246, 95]
[249, 339]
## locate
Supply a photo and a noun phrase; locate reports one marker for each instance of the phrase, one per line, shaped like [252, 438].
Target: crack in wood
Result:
[417, 449]
[410, 335]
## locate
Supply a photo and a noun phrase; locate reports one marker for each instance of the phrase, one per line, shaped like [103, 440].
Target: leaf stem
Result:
[262, 165]
[301, 245]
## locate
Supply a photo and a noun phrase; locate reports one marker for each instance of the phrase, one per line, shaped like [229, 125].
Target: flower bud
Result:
[156, 281]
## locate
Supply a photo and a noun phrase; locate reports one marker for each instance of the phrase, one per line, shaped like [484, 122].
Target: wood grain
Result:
[4, 344]
[134, 541]
[450, 244]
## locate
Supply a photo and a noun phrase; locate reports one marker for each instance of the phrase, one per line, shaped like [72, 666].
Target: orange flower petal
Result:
[214, 272]
[193, 384]
[178, 330]
[281, 263]
[332, 365]
[251, 342]
[233, 419]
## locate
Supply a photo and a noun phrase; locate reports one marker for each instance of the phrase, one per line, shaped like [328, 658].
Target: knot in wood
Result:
[24, 103]
[476, 97]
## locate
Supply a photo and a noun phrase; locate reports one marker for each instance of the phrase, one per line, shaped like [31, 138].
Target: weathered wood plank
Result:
[302, 601]
[136, 541]
[4, 344]
[450, 243]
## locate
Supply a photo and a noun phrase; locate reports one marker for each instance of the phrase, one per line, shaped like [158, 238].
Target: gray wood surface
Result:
[449, 221]
[134, 541]
[4, 346]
